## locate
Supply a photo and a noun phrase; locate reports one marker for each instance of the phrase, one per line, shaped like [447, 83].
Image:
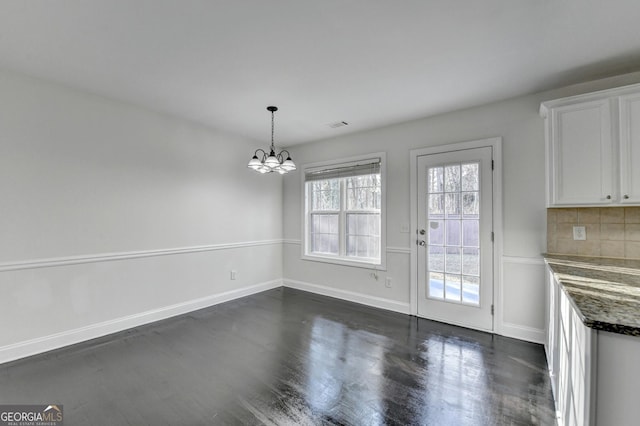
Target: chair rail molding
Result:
[106, 257]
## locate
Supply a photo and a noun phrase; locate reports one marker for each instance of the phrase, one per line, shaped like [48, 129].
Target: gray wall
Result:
[520, 282]
[113, 215]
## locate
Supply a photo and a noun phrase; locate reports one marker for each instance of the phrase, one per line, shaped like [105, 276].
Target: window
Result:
[344, 208]
[454, 232]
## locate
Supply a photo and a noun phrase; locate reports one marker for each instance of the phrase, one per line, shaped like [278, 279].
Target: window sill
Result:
[344, 262]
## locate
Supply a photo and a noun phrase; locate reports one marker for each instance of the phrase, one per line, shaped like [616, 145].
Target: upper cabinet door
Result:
[593, 148]
[630, 149]
[580, 154]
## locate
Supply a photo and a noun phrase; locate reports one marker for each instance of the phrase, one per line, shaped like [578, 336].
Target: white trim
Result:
[292, 241]
[457, 323]
[363, 299]
[344, 260]
[587, 97]
[390, 249]
[523, 260]
[400, 250]
[496, 145]
[413, 215]
[498, 235]
[341, 261]
[70, 337]
[106, 257]
[522, 332]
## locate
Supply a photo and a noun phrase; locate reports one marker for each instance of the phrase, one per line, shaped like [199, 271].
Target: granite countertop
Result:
[606, 292]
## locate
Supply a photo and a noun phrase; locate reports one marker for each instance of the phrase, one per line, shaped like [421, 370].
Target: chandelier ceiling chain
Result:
[269, 163]
[272, 128]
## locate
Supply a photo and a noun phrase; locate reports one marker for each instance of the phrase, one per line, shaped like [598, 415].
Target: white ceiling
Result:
[368, 62]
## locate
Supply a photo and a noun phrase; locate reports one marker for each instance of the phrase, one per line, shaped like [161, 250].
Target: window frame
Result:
[342, 213]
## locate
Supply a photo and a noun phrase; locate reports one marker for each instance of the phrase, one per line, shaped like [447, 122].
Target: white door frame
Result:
[496, 144]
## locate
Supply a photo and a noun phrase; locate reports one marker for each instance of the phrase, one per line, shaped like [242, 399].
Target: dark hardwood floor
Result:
[286, 357]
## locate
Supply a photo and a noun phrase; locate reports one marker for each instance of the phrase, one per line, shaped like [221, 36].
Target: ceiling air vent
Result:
[338, 124]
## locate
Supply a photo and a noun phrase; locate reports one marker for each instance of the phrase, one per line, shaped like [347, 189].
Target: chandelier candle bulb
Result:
[273, 162]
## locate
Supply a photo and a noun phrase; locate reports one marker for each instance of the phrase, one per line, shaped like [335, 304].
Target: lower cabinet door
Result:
[574, 368]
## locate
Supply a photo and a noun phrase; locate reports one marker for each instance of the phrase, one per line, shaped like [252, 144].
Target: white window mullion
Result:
[342, 221]
[336, 175]
[307, 225]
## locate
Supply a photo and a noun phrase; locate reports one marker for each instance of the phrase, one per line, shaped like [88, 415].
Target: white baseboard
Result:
[521, 332]
[458, 324]
[47, 343]
[55, 341]
[364, 299]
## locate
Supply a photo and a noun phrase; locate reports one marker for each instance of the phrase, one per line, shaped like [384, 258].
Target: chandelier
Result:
[272, 162]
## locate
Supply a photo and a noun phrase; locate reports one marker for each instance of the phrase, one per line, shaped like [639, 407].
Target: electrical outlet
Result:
[579, 233]
[388, 282]
[233, 274]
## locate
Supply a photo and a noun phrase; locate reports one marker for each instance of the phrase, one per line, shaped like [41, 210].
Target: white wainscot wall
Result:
[57, 302]
[361, 285]
[522, 313]
[85, 180]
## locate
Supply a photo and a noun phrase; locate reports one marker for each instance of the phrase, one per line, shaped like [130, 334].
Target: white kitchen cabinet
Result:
[551, 347]
[593, 148]
[570, 349]
[630, 148]
[595, 374]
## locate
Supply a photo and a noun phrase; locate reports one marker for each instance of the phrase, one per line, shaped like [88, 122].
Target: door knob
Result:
[626, 197]
[422, 232]
[422, 243]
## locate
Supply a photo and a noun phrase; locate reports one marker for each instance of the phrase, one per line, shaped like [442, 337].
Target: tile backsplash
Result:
[611, 231]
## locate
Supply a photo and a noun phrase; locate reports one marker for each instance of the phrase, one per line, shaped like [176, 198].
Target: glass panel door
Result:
[455, 249]
[453, 216]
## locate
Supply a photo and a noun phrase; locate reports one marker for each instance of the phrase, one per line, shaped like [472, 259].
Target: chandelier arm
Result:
[272, 161]
[264, 153]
